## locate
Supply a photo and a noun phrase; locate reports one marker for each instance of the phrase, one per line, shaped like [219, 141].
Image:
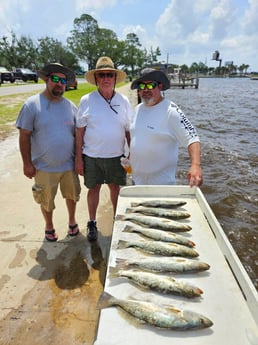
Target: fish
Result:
[152, 281]
[154, 222]
[159, 212]
[160, 235]
[164, 264]
[160, 203]
[161, 316]
[159, 248]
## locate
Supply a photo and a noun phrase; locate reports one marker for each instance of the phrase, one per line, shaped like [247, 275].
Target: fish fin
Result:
[105, 300]
[123, 244]
[172, 308]
[113, 272]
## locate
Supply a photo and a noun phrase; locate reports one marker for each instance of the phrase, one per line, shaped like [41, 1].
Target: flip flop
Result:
[51, 236]
[73, 230]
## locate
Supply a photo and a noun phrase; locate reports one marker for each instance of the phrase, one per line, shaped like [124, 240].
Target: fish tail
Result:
[105, 300]
[128, 228]
[119, 217]
[113, 272]
[134, 204]
[123, 244]
[122, 264]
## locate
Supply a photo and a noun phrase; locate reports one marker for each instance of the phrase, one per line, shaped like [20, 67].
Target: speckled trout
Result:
[159, 212]
[156, 282]
[155, 222]
[159, 203]
[162, 316]
[164, 264]
[160, 235]
[159, 248]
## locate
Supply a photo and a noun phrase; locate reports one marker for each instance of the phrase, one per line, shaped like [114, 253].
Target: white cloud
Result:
[249, 23]
[93, 4]
[186, 30]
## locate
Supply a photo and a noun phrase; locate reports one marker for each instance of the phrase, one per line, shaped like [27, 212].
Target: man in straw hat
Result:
[158, 128]
[46, 125]
[103, 122]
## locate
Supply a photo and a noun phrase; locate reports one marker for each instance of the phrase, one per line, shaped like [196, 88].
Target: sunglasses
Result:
[149, 86]
[107, 75]
[56, 79]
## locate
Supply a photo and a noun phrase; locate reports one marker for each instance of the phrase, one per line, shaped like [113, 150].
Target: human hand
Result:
[79, 167]
[29, 170]
[195, 175]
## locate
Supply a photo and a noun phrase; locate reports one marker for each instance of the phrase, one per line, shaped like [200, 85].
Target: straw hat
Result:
[56, 67]
[104, 63]
[151, 74]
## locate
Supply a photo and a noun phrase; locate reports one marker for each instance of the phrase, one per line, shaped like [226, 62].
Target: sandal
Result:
[73, 230]
[51, 236]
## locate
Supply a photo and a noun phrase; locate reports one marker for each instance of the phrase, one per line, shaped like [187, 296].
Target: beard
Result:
[57, 92]
[148, 99]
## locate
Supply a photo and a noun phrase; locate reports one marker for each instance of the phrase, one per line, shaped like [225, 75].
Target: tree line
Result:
[85, 44]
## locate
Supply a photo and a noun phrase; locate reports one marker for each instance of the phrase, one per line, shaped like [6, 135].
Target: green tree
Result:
[83, 40]
[51, 50]
[134, 57]
[184, 69]
[153, 55]
[18, 52]
[194, 68]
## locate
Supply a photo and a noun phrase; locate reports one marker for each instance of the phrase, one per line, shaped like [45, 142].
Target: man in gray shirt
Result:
[46, 126]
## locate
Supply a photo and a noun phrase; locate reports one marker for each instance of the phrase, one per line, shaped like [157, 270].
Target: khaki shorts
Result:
[46, 184]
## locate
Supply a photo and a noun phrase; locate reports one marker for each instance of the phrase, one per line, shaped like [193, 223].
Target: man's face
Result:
[105, 79]
[56, 84]
[149, 92]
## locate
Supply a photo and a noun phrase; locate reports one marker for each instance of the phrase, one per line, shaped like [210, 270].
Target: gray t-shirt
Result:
[53, 132]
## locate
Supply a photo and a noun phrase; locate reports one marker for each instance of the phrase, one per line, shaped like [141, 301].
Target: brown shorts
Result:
[46, 184]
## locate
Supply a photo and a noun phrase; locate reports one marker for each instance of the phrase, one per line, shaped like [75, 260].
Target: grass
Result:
[11, 105]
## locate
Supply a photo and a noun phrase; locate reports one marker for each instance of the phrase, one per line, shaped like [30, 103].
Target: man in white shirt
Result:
[103, 122]
[158, 128]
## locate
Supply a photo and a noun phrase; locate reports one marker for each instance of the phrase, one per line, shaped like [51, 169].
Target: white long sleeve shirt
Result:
[156, 133]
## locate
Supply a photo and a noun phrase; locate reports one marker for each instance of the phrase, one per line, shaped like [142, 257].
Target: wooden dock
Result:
[183, 83]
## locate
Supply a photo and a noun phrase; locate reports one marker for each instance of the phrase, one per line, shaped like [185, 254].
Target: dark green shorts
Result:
[103, 170]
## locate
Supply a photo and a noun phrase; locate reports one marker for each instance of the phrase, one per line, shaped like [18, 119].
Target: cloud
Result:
[249, 23]
[9, 18]
[192, 32]
[221, 18]
[82, 5]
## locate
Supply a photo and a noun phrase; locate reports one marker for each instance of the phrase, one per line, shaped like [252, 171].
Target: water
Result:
[225, 113]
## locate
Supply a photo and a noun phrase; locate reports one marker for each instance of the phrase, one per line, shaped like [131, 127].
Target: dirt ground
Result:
[49, 291]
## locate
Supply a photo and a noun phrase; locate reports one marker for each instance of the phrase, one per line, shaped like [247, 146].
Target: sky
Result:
[186, 31]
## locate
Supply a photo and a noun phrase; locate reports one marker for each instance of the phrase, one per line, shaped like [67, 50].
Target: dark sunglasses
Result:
[107, 75]
[56, 79]
[149, 86]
